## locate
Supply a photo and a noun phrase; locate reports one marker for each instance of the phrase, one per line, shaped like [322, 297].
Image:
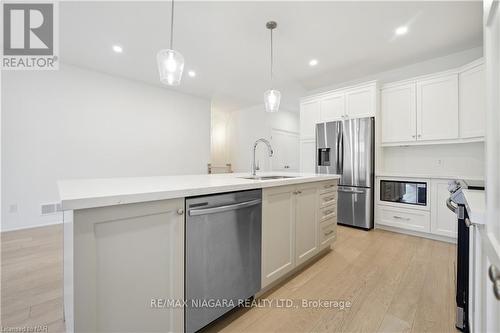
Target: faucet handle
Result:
[257, 167]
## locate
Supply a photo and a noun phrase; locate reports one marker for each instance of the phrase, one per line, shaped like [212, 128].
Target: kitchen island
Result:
[124, 242]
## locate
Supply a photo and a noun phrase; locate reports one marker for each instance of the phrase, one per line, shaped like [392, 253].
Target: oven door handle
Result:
[451, 206]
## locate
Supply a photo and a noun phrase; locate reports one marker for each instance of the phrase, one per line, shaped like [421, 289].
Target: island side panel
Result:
[68, 270]
[126, 257]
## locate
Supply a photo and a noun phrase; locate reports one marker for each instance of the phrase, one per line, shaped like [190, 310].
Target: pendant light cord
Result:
[172, 27]
[272, 58]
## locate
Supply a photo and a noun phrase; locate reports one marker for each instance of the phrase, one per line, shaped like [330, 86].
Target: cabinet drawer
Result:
[328, 230]
[327, 199]
[328, 186]
[410, 219]
[327, 213]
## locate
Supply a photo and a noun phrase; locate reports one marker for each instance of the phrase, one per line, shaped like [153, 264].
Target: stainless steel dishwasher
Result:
[223, 254]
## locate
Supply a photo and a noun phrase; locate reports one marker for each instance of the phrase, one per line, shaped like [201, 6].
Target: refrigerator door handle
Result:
[340, 153]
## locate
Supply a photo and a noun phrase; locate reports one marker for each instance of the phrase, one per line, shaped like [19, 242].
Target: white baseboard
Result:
[30, 226]
[417, 233]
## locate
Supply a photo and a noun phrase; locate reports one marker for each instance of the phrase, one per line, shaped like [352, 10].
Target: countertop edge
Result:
[131, 198]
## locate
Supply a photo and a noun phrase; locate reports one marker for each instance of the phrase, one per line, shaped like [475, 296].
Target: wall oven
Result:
[403, 192]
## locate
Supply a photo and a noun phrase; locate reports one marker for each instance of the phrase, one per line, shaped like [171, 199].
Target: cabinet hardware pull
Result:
[328, 212]
[299, 192]
[329, 186]
[494, 275]
[180, 211]
[329, 232]
[401, 218]
[328, 199]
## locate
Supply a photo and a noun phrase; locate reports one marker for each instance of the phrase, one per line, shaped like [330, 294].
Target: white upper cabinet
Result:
[361, 102]
[351, 102]
[441, 108]
[309, 116]
[399, 117]
[333, 108]
[472, 102]
[437, 108]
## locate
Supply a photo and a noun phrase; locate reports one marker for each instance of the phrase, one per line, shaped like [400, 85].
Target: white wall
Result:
[218, 137]
[453, 160]
[75, 123]
[249, 124]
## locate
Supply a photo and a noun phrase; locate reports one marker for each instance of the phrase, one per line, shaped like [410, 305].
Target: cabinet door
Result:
[360, 102]
[332, 108]
[309, 116]
[278, 232]
[306, 222]
[398, 112]
[472, 102]
[308, 156]
[437, 108]
[443, 221]
[124, 256]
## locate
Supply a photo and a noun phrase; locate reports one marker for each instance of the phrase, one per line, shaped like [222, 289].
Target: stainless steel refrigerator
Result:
[346, 147]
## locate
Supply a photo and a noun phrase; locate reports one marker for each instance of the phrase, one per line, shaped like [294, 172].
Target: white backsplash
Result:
[466, 159]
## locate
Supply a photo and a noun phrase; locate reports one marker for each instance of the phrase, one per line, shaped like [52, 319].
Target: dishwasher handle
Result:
[224, 208]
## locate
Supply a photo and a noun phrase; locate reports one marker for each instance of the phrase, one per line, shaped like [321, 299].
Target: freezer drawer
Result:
[355, 206]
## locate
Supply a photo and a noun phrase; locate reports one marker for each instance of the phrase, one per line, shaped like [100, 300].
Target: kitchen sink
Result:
[268, 177]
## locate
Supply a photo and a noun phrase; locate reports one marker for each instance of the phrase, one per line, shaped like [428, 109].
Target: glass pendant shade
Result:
[272, 100]
[170, 66]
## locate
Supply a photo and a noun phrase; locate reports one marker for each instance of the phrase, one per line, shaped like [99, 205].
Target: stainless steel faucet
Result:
[269, 149]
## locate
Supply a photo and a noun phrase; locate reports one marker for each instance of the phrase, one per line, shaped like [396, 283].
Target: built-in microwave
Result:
[404, 192]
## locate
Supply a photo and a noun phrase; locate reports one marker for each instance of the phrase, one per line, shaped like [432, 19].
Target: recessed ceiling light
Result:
[402, 30]
[117, 48]
[313, 62]
[192, 73]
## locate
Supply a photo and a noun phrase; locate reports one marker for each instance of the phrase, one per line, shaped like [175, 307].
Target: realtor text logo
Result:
[29, 36]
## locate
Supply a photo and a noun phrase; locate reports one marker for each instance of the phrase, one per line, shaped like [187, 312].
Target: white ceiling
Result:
[227, 44]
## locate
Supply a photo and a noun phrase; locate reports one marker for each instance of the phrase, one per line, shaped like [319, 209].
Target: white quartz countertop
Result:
[475, 205]
[100, 192]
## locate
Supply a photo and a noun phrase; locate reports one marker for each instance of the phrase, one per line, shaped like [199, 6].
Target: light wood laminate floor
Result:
[396, 283]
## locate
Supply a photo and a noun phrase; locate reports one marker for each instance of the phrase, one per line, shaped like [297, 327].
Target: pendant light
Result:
[272, 97]
[170, 62]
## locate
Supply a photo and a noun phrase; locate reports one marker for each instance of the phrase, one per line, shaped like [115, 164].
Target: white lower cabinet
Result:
[125, 257]
[410, 219]
[327, 232]
[278, 232]
[291, 230]
[443, 221]
[434, 219]
[306, 222]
